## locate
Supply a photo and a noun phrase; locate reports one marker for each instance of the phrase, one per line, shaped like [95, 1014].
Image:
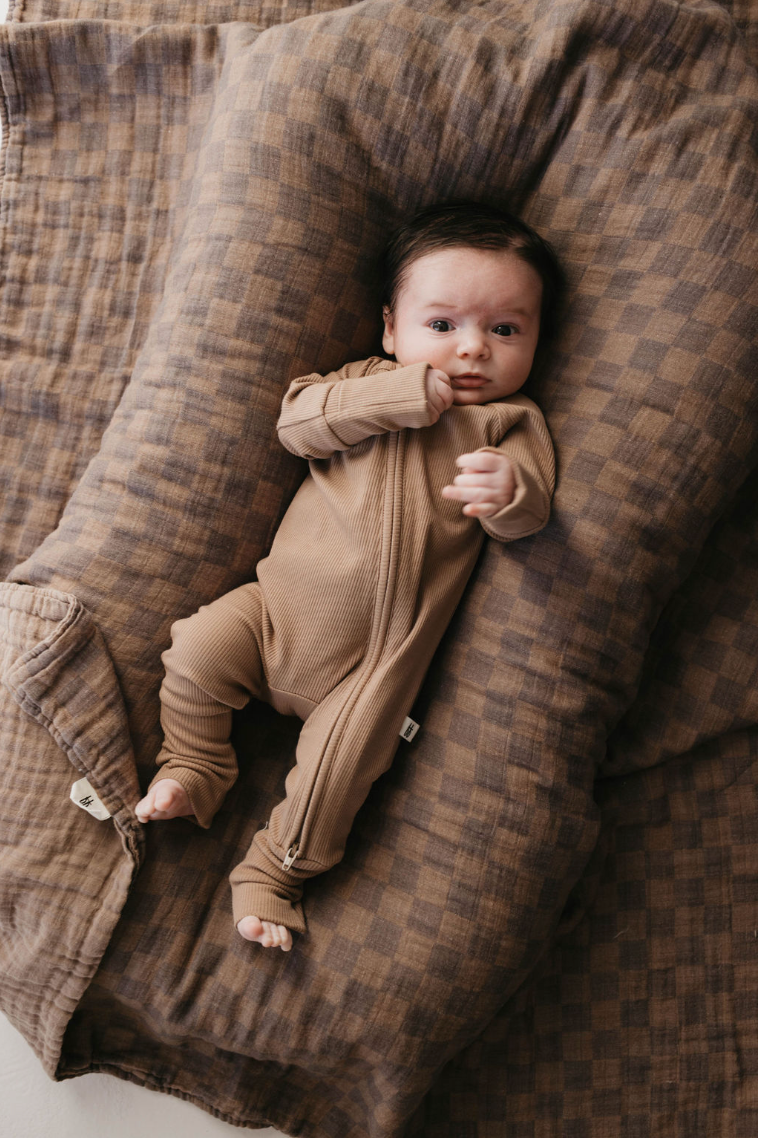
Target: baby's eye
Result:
[505, 330]
[440, 326]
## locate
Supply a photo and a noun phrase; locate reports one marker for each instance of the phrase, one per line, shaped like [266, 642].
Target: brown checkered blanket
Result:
[546, 922]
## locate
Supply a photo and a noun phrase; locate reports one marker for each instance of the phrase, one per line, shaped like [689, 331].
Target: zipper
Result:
[385, 589]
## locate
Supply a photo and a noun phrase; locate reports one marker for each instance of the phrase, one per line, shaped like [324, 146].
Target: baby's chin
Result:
[472, 396]
[466, 396]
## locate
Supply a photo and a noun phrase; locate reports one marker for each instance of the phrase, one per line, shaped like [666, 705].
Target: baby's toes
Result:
[144, 808]
[270, 934]
[280, 936]
[274, 935]
[164, 799]
[171, 799]
[266, 933]
[251, 928]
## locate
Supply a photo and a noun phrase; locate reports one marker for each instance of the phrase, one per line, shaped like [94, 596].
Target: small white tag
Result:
[409, 729]
[83, 794]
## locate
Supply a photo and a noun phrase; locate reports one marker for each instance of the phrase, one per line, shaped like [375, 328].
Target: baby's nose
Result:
[472, 343]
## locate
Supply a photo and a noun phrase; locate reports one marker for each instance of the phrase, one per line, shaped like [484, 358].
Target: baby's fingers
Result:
[481, 460]
[476, 479]
[480, 510]
[473, 493]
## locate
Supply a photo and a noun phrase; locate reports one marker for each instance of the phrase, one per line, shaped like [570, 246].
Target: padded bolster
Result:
[649, 395]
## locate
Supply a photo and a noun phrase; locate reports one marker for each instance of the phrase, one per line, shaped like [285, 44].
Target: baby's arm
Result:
[324, 414]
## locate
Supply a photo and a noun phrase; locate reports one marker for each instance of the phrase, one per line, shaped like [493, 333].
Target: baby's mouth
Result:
[469, 380]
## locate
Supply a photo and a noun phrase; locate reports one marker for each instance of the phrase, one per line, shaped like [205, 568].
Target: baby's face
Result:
[472, 313]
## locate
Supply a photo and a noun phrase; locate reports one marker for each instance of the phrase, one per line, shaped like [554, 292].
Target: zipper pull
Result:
[290, 857]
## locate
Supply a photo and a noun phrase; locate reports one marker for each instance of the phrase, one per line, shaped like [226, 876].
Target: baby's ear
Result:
[388, 340]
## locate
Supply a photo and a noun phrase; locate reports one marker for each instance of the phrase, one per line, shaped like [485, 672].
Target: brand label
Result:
[409, 729]
[85, 796]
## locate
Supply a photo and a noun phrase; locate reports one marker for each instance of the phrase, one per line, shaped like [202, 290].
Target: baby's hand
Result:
[486, 484]
[439, 392]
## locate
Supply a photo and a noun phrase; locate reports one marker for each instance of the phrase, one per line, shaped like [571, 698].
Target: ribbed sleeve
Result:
[526, 514]
[324, 414]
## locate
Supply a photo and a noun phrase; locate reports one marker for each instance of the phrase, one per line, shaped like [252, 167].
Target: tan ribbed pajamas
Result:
[363, 576]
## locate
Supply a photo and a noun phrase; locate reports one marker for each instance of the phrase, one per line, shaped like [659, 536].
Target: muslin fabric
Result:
[544, 920]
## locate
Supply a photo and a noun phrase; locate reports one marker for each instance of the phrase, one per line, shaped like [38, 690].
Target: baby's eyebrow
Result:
[506, 311]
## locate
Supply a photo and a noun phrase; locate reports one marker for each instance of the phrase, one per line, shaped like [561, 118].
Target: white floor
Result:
[95, 1105]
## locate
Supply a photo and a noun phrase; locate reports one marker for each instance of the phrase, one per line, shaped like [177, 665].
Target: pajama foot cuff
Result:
[206, 796]
[267, 905]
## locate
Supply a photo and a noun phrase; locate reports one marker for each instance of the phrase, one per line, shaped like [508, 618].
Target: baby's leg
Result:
[213, 666]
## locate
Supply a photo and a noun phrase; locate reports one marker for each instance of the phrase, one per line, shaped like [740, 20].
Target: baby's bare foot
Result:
[165, 800]
[267, 933]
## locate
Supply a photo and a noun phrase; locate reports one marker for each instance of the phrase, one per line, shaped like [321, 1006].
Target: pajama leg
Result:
[345, 744]
[214, 665]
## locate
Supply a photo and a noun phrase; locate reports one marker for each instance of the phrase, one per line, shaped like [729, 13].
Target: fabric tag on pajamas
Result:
[83, 794]
[409, 729]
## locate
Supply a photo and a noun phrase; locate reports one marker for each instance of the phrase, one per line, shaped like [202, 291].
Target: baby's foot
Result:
[267, 933]
[165, 800]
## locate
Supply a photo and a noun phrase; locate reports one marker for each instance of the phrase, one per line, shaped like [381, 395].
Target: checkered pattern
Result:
[643, 1019]
[190, 216]
[261, 13]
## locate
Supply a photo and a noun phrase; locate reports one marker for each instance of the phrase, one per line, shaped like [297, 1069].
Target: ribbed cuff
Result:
[528, 511]
[204, 802]
[260, 900]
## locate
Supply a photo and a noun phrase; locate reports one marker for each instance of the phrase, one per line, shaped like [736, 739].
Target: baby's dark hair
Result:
[476, 226]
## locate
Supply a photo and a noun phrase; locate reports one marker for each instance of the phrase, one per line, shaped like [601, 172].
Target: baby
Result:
[374, 552]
